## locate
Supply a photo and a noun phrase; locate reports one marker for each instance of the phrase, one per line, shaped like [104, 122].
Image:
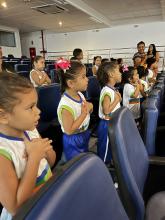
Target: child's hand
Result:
[84, 108]
[37, 148]
[118, 96]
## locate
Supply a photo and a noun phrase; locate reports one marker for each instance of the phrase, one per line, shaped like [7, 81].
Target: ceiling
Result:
[34, 15]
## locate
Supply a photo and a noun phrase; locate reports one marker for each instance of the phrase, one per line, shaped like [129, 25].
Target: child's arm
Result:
[70, 125]
[13, 191]
[137, 90]
[51, 157]
[141, 88]
[48, 80]
[94, 70]
[37, 80]
[108, 106]
[90, 107]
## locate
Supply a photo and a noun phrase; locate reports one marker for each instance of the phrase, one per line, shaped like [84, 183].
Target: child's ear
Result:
[3, 117]
[69, 83]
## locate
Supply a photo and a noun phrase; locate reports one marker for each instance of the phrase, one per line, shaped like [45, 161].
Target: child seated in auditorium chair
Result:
[37, 75]
[25, 158]
[73, 110]
[108, 75]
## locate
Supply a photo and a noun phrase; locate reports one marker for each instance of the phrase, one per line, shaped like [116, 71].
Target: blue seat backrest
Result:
[156, 93]
[50, 67]
[48, 100]
[93, 90]
[149, 124]
[22, 67]
[84, 191]
[24, 74]
[130, 159]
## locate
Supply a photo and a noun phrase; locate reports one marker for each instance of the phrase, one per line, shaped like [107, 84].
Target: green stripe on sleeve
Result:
[5, 154]
[66, 107]
[102, 98]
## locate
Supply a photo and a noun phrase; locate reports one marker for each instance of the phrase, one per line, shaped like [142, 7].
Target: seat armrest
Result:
[155, 160]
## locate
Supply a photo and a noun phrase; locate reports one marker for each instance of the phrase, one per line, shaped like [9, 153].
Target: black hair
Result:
[136, 56]
[77, 52]
[37, 58]
[10, 84]
[104, 60]
[10, 56]
[103, 72]
[127, 75]
[119, 61]
[154, 49]
[142, 71]
[150, 61]
[95, 58]
[113, 59]
[69, 74]
[141, 42]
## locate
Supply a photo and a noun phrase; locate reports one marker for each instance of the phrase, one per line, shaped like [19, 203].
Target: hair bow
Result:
[125, 68]
[62, 64]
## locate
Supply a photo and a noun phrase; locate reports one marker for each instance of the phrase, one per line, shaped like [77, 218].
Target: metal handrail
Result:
[108, 53]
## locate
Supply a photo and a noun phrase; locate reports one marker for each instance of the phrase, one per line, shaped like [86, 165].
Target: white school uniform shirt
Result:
[39, 76]
[132, 103]
[107, 91]
[13, 149]
[74, 107]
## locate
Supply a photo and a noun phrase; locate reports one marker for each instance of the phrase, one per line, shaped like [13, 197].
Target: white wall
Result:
[16, 51]
[115, 37]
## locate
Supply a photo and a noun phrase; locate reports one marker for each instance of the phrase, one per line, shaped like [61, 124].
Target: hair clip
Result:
[62, 64]
[125, 68]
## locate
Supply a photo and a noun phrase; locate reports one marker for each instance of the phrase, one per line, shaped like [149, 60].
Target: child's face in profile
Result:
[25, 114]
[117, 75]
[40, 64]
[80, 83]
[135, 77]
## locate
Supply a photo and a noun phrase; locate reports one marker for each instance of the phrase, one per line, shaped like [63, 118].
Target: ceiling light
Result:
[4, 4]
[60, 23]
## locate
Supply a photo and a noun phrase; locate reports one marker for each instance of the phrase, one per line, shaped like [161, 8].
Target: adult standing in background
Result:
[152, 52]
[141, 53]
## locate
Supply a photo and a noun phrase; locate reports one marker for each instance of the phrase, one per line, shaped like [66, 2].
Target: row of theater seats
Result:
[153, 124]
[24, 67]
[84, 188]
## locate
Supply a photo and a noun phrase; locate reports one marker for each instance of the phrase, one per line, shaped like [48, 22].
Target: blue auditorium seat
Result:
[93, 90]
[84, 191]
[24, 73]
[49, 67]
[48, 100]
[149, 124]
[132, 167]
[22, 67]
